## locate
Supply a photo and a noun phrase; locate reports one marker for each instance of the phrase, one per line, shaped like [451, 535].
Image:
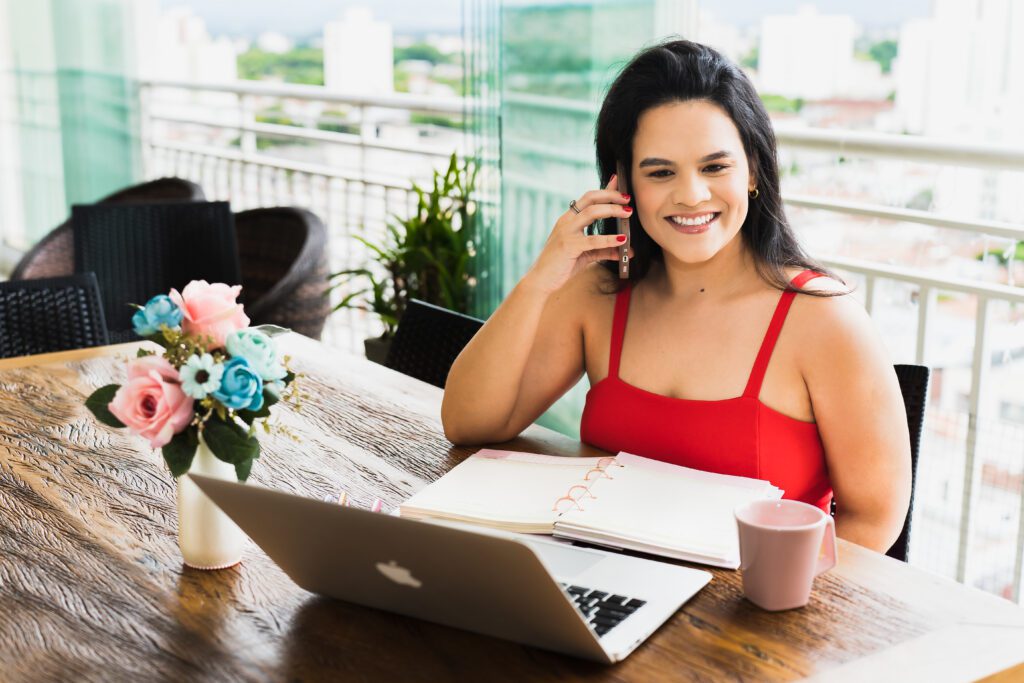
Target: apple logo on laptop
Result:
[399, 574]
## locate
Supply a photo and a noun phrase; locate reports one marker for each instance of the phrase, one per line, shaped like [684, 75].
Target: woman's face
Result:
[690, 179]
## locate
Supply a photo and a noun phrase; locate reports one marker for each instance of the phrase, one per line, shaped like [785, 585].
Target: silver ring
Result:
[572, 205]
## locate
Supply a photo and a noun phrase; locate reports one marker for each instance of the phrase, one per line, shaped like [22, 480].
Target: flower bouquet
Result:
[201, 402]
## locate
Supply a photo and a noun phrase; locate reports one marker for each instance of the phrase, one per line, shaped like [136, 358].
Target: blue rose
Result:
[160, 310]
[241, 387]
[257, 348]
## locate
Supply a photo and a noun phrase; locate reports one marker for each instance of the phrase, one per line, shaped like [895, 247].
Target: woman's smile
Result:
[693, 224]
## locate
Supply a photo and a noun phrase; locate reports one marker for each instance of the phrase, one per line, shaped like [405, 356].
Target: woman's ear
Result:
[752, 182]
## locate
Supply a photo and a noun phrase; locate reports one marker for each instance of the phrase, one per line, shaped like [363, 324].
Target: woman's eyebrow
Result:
[714, 156]
[654, 161]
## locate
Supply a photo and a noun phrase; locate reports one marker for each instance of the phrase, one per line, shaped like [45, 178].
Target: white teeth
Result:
[699, 220]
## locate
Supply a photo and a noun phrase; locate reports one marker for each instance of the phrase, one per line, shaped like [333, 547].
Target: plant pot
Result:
[377, 348]
[207, 537]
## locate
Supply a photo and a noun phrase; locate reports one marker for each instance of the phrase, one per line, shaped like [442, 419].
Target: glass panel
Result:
[550, 65]
[70, 109]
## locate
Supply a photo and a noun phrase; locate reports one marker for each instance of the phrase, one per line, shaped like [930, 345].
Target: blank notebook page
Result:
[666, 505]
[504, 486]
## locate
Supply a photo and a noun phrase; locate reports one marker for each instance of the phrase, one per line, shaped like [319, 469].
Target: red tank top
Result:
[739, 436]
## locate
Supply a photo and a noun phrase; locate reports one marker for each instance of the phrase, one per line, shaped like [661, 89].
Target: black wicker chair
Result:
[428, 340]
[54, 254]
[913, 381]
[52, 314]
[914, 386]
[283, 256]
[140, 250]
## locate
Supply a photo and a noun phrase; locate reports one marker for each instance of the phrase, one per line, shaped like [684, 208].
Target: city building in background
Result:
[358, 54]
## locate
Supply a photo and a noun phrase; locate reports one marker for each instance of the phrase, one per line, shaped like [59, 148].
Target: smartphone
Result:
[623, 224]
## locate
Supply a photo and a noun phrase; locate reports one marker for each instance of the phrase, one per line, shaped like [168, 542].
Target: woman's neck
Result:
[729, 271]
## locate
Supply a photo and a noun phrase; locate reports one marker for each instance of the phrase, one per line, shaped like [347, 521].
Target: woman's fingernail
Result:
[620, 238]
[626, 196]
[628, 209]
[614, 176]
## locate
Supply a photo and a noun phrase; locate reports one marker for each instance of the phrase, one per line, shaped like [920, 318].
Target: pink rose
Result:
[151, 403]
[210, 310]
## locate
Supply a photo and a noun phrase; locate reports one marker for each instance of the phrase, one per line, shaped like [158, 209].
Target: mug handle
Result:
[828, 555]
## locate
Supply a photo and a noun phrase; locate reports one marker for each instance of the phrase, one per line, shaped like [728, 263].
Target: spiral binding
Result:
[572, 497]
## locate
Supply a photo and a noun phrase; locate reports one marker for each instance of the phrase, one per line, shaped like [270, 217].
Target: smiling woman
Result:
[727, 349]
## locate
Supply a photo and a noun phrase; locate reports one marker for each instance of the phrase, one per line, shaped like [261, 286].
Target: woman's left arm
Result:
[859, 409]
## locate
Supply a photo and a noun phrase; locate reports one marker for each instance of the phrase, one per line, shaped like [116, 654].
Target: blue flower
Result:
[159, 310]
[201, 375]
[241, 387]
[257, 348]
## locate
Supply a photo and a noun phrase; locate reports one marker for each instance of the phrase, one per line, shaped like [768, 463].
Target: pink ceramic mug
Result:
[784, 544]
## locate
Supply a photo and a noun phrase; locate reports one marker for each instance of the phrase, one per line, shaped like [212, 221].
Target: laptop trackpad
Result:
[566, 561]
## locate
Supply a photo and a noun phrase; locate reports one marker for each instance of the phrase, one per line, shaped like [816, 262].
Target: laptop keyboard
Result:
[602, 611]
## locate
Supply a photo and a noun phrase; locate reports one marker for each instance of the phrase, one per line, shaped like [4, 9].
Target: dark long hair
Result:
[680, 71]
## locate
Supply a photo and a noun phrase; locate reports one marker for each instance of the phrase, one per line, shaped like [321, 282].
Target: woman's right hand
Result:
[568, 250]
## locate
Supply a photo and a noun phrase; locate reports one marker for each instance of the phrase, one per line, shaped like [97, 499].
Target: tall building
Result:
[961, 71]
[960, 75]
[807, 55]
[186, 52]
[358, 54]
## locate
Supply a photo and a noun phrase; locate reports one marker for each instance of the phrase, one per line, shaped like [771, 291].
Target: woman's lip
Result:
[692, 229]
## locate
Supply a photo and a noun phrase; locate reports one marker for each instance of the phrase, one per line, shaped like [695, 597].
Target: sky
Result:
[303, 18]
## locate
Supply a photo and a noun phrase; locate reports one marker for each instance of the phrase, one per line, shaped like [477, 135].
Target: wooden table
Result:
[92, 586]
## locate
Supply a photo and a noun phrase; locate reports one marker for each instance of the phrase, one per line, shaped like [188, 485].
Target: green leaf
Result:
[242, 469]
[179, 451]
[98, 403]
[347, 301]
[142, 353]
[271, 330]
[249, 415]
[350, 271]
[230, 442]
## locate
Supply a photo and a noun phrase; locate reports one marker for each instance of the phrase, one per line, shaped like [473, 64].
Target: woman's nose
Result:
[690, 190]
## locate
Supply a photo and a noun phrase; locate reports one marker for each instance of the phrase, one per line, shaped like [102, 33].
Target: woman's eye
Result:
[660, 174]
[714, 168]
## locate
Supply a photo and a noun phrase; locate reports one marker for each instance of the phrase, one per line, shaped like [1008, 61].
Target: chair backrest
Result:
[914, 387]
[284, 260]
[54, 255]
[140, 250]
[52, 314]
[159, 190]
[428, 340]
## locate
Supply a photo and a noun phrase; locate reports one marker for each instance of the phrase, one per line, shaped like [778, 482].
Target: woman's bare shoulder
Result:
[835, 310]
[835, 331]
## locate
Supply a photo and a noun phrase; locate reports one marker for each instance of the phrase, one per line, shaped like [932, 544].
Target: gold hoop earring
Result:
[755, 193]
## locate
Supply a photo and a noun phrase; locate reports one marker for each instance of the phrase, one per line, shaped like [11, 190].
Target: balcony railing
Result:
[212, 134]
[335, 161]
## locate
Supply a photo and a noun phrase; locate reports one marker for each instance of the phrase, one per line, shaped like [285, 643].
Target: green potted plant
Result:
[425, 256]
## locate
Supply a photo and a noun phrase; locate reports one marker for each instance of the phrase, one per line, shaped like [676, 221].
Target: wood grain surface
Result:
[92, 586]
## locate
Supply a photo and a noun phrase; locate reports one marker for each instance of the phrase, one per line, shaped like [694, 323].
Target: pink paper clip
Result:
[378, 506]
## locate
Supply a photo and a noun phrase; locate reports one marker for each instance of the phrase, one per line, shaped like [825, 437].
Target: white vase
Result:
[207, 537]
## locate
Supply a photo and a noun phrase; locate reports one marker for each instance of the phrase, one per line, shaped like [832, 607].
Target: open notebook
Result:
[624, 502]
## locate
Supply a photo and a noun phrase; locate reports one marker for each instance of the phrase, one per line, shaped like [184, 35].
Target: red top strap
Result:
[753, 389]
[619, 328]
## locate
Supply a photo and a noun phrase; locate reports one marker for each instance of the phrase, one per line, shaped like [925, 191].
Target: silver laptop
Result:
[589, 603]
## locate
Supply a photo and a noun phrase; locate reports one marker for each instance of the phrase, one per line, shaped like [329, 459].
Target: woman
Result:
[728, 349]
